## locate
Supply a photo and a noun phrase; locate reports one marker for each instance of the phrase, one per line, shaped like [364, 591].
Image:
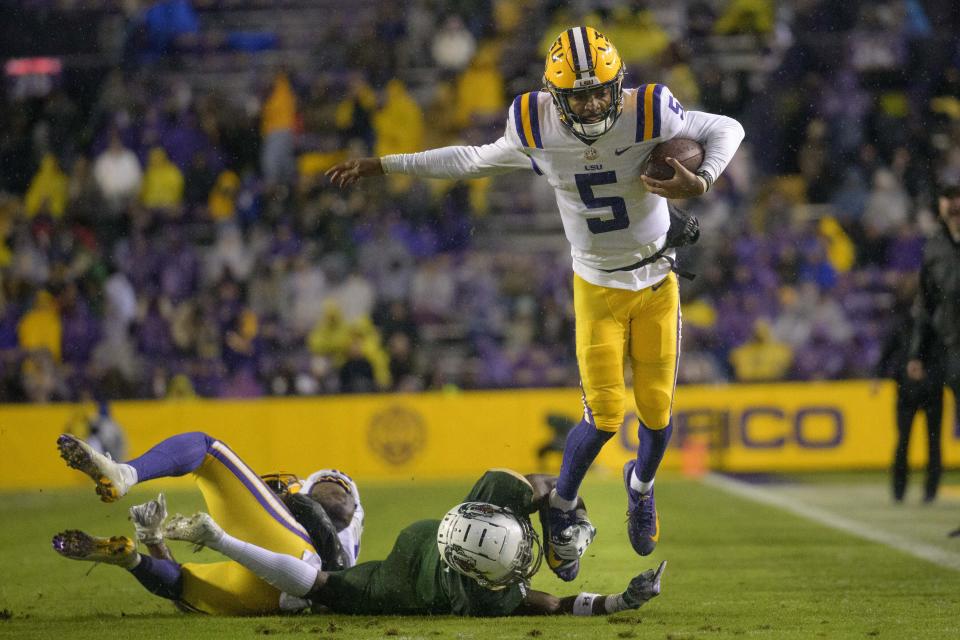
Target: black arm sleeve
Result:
[923, 310]
[309, 513]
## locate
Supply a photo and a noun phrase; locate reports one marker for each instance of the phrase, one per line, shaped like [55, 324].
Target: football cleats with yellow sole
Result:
[77, 545]
[102, 470]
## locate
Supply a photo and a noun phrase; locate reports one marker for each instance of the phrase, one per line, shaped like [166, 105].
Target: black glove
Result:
[643, 587]
[310, 513]
[684, 228]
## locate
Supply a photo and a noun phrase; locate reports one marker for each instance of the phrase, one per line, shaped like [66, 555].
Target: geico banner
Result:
[793, 427]
[440, 435]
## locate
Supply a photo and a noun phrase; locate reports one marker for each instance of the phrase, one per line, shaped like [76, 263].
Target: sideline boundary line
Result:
[930, 553]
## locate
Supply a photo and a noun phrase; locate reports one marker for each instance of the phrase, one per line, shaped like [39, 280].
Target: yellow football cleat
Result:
[77, 545]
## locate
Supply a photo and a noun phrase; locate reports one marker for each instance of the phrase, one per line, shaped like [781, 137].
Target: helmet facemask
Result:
[606, 120]
[517, 558]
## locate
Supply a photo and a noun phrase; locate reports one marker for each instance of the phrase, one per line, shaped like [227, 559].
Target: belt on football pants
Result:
[684, 230]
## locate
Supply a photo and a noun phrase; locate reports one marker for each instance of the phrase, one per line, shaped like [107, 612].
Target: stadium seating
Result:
[226, 290]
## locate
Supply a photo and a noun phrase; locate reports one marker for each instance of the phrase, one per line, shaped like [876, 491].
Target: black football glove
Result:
[311, 514]
[684, 228]
[643, 587]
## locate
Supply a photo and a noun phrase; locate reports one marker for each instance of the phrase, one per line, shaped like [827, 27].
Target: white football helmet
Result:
[489, 544]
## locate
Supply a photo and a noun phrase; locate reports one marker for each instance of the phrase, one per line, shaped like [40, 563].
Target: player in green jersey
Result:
[477, 561]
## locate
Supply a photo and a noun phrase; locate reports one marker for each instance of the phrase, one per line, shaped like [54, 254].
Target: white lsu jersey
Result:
[609, 218]
[349, 537]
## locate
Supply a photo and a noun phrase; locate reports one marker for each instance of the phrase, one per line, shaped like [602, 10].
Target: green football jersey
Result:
[413, 580]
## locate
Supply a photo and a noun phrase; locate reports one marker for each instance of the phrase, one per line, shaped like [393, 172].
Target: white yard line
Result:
[930, 553]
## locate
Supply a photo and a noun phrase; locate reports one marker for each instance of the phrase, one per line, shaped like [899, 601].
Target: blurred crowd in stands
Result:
[166, 229]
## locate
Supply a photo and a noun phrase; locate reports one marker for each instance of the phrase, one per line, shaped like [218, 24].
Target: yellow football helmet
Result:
[582, 59]
[282, 483]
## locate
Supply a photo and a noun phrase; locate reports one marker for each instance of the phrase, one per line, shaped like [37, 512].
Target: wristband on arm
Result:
[585, 604]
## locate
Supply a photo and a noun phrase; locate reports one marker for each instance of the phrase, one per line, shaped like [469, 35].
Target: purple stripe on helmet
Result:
[573, 50]
[536, 167]
[256, 494]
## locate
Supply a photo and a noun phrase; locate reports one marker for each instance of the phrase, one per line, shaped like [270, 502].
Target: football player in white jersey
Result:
[589, 137]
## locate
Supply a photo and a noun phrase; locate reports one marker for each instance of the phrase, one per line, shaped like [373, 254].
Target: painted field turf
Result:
[736, 570]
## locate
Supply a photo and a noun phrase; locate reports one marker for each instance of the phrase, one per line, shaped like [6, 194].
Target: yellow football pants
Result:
[613, 322]
[246, 508]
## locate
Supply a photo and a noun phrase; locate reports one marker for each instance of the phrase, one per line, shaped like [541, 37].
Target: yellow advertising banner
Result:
[740, 428]
[797, 426]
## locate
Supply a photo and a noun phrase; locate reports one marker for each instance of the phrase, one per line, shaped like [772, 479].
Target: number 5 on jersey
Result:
[585, 184]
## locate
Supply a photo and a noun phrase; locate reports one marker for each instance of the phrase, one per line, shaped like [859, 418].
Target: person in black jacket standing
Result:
[925, 394]
[934, 351]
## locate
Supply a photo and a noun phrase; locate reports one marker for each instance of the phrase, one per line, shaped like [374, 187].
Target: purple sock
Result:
[160, 577]
[653, 444]
[174, 456]
[583, 445]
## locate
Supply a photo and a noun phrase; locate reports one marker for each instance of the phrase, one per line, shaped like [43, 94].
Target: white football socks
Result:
[560, 503]
[286, 573]
[642, 487]
[128, 474]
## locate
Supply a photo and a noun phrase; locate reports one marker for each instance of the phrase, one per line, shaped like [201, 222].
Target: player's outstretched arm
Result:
[344, 174]
[641, 589]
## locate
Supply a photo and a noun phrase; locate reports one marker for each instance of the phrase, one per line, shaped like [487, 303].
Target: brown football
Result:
[688, 152]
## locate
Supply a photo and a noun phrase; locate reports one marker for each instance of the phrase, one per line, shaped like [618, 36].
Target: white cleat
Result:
[200, 529]
[148, 520]
[102, 470]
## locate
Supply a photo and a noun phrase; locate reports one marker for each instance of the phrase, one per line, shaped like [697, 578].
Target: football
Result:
[688, 152]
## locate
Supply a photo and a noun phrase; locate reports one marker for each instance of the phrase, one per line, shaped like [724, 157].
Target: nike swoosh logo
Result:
[622, 151]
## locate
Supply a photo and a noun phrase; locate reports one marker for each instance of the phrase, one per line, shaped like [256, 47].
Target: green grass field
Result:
[737, 569]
